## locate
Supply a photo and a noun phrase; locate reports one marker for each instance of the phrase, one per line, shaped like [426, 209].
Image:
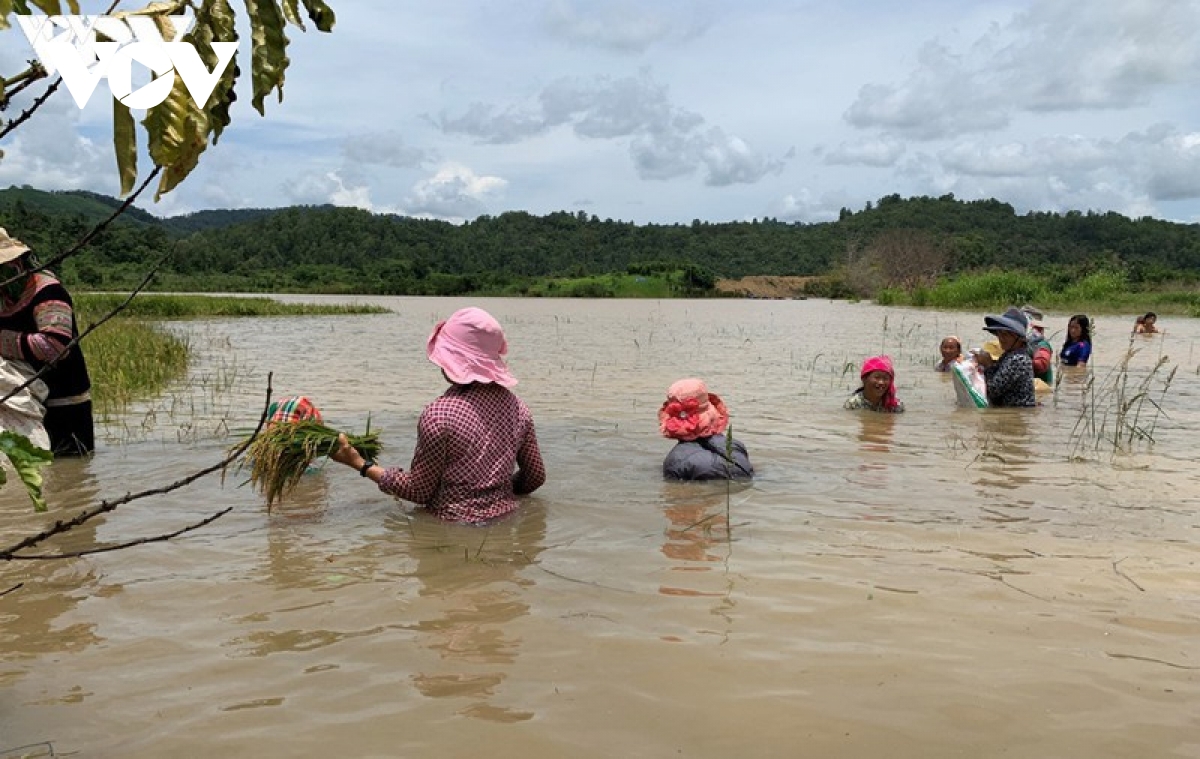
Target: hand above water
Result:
[347, 454]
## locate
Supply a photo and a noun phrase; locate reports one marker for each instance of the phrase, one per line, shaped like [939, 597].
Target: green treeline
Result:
[896, 246]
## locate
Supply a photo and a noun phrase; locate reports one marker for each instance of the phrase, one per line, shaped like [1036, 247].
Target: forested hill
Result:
[350, 250]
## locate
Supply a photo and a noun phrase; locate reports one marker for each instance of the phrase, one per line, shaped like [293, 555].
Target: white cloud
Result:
[1168, 160]
[1114, 54]
[805, 206]
[384, 149]
[649, 113]
[729, 160]
[1054, 56]
[665, 141]
[880, 152]
[50, 152]
[625, 26]
[454, 193]
[1161, 163]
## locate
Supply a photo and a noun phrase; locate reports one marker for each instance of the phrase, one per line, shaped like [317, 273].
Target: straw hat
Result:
[993, 349]
[10, 247]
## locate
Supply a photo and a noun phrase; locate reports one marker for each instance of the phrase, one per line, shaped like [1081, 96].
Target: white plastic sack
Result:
[23, 413]
[970, 388]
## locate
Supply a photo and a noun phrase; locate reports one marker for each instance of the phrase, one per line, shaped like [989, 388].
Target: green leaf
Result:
[178, 133]
[125, 145]
[291, 11]
[159, 11]
[215, 23]
[15, 6]
[269, 58]
[49, 7]
[28, 460]
[321, 14]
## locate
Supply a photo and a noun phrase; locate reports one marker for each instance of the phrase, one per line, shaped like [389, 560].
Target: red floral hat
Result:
[691, 412]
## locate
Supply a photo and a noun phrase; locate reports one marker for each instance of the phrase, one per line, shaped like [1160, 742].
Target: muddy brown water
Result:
[942, 583]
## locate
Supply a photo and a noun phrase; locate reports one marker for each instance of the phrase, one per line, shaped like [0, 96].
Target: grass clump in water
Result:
[157, 306]
[127, 358]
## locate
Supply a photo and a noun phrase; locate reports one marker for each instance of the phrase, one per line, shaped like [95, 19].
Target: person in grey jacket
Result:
[697, 419]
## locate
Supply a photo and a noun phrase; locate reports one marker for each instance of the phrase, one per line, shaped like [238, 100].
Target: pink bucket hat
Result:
[470, 347]
[691, 412]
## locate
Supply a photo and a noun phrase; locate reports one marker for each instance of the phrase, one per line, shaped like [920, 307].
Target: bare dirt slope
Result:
[764, 286]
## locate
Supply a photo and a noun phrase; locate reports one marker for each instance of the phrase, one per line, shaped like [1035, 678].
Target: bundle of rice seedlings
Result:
[282, 452]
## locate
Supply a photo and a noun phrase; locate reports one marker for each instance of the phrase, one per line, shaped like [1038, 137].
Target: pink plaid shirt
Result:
[470, 441]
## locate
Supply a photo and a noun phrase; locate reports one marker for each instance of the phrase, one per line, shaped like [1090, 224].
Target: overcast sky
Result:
[667, 111]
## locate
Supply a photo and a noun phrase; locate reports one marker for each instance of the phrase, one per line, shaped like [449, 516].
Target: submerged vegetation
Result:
[1120, 411]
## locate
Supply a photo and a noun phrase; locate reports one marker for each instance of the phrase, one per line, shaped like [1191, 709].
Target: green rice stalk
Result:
[282, 452]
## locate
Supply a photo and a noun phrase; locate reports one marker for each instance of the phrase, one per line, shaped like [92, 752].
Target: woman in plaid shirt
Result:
[476, 446]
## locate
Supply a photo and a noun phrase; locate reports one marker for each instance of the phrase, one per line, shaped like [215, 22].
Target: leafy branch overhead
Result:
[178, 130]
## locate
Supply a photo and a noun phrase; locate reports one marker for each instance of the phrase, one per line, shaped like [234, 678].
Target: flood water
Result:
[942, 583]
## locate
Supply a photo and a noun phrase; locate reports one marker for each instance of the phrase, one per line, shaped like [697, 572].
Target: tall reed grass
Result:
[157, 306]
[1121, 411]
[128, 360]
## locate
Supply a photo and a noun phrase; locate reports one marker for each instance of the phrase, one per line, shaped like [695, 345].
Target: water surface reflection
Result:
[860, 590]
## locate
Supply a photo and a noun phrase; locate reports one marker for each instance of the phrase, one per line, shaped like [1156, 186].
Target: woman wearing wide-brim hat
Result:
[1009, 378]
[698, 420]
[476, 446]
[37, 323]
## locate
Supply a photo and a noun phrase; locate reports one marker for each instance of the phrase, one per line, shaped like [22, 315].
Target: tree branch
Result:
[127, 544]
[25, 114]
[102, 225]
[59, 527]
[22, 80]
[91, 234]
[37, 103]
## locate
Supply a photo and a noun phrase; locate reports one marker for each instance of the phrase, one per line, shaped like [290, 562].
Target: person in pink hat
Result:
[697, 419]
[476, 446]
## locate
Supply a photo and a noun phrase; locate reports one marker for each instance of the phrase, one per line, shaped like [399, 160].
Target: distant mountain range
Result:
[94, 207]
[903, 242]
